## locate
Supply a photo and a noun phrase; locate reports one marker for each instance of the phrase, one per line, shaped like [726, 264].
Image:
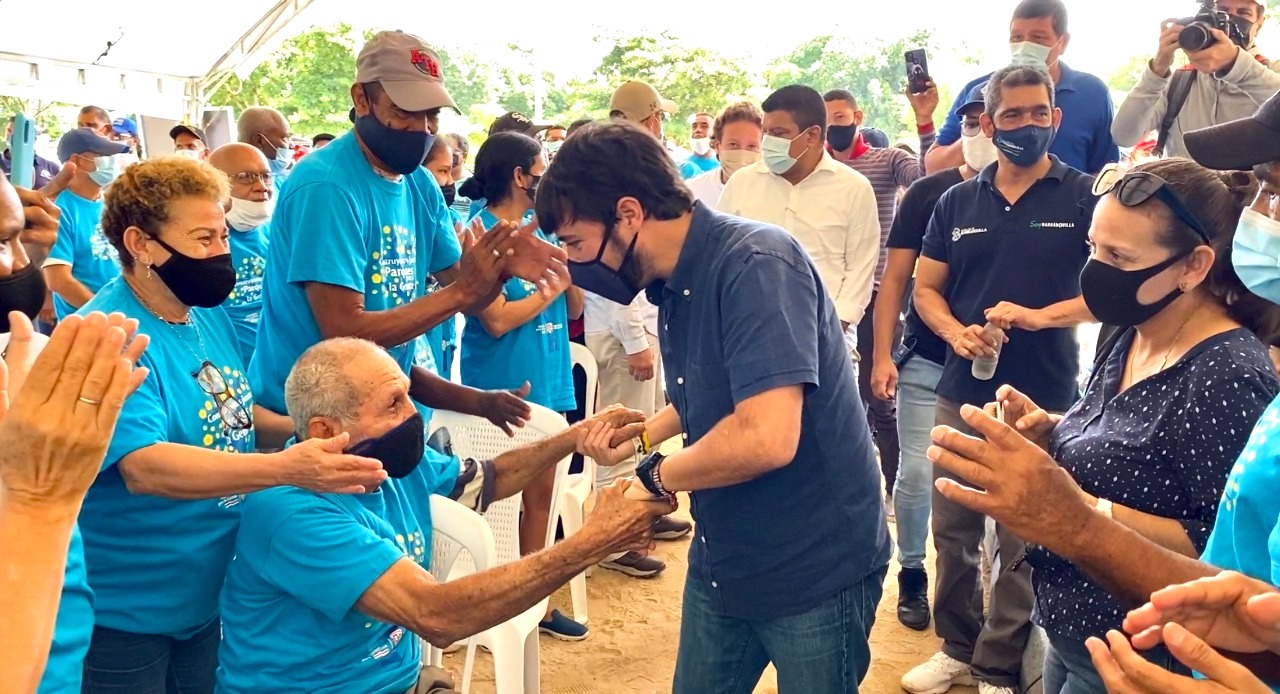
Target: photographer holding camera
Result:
[1225, 78]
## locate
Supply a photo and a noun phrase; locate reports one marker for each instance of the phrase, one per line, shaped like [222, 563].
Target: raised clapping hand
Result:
[1124, 671]
[59, 417]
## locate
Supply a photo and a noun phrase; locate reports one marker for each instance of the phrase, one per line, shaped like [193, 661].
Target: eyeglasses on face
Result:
[249, 178]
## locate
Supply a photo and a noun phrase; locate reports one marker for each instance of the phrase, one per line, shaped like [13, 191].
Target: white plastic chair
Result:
[578, 487]
[456, 529]
[514, 643]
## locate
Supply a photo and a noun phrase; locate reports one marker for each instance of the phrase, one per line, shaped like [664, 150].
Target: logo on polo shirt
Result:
[1053, 225]
[958, 233]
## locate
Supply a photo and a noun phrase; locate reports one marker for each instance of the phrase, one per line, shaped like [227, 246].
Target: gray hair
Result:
[1016, 76]
[257, 119]
[320, 386]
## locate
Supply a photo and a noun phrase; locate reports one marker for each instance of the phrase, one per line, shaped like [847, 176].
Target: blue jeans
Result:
[822, 651]
[1068, 668]
[913, 491]
[124, 663]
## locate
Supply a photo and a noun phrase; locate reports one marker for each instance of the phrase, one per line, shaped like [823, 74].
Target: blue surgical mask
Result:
[1255, 255]
[105, 170]
[1024, 146]
[281, 165]
[1028, 53]
[776, 152]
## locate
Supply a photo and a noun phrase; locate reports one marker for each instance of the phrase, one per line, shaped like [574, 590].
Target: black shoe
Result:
[913, 599]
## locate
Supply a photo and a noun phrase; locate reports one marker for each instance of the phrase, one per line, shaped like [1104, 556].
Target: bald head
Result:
[265, 129]
[246, 168]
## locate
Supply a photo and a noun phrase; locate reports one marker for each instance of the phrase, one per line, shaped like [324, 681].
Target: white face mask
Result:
[731, 160]
[1028, 53]
[701, 145]
[247, 215]
[187, 154]
[979, 151]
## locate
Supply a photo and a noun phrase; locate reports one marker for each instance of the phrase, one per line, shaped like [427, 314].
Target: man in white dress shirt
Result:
[828, 207]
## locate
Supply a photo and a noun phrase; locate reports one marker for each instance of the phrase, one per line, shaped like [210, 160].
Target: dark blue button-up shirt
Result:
[45, 170]
[744, 312]
[1030, 253]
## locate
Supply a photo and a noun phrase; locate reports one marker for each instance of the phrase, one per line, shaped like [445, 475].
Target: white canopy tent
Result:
[153, 57]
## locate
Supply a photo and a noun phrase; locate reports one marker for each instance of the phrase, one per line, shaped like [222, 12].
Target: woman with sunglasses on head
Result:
[160, 521]
[1174, 394]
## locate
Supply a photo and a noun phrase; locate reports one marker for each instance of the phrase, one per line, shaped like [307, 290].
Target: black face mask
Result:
[450, 194]
[532, 190]
[23, 291]
[619, 286]
[199, 282]
[399, 450]
[402, 150]
[1112, 294]
[841, 137]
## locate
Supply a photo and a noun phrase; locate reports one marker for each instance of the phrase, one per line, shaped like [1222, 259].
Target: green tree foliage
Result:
[1125, 77]
[874, 71]
[45, 113]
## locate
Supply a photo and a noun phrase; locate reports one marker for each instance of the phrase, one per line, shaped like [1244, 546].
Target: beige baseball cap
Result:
[407, 68]
[639, 100]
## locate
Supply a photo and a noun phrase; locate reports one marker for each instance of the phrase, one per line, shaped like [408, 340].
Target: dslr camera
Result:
[1197, 34]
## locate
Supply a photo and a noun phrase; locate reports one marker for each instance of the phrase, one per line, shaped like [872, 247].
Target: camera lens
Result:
[1195, 37]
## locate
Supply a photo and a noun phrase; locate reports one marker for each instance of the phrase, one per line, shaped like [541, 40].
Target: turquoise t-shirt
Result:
[1248, 521]
[537, 352]
[244, 306]
[443, 339]
[338, 222]
[156, 565]
[696, 165]
[82, 245]
[289, 618]
[73, 627]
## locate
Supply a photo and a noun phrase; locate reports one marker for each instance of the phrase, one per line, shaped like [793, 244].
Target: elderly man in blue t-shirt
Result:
[327, 591]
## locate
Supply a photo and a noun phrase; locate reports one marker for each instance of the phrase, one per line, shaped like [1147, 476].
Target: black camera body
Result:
[1197, 34]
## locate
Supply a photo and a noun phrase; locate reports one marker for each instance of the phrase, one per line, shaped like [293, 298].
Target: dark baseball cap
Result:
[1241, 144]
[515, 122]
[976, 96]
[192, 130]
[86, 141]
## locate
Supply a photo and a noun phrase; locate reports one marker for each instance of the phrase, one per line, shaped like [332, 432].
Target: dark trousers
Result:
[120, 662]
[882, 415]
[992, 645]
[823, 651]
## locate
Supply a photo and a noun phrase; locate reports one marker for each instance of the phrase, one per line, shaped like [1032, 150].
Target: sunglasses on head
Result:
[1132, 188]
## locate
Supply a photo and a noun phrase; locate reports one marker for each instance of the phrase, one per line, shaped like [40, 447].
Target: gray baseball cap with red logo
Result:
[408, 70]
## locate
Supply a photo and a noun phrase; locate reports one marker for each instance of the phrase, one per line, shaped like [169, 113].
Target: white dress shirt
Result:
[707, 187]
[833, 215]
[627, 323]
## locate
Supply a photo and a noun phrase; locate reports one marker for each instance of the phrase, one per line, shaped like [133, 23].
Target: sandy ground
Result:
[635, 625]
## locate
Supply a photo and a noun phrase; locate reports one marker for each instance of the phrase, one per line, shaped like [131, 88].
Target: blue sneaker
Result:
[562, 628]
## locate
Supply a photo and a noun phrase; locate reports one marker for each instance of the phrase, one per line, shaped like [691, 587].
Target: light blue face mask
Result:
[776, 152]
[1255, 254]
[1028, 53]
[105, 170]
[283, 162]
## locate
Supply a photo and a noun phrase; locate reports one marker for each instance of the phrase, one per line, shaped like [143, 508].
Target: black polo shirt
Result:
[907, 232]
[744, 312]
[1031, 254]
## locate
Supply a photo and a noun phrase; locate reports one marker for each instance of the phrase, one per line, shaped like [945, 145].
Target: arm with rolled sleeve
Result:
[763, 432]
[1142, 109]
[861, 252]
[1252, 77]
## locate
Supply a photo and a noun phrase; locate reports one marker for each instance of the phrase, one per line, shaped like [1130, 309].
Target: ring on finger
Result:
[497, 253]
[87, 401]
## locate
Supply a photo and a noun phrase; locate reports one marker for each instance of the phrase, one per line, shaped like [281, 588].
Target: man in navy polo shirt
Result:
[1004, 248]
[1038, 36]
[791, 545]
[44, 170]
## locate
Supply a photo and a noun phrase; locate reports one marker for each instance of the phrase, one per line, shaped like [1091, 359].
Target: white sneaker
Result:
[984, 688]
[936, 676]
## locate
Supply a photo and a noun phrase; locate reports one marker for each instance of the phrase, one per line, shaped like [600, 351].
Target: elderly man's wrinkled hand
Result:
[1230, 610]
[59, 424]
[625, 523]
[1124, 671]
[1021, 486]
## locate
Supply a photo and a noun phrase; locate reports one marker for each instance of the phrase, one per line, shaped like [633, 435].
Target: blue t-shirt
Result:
[537, 352]
[73, 627]
[244, 306]
[82, 245]
[443, 339]
[696, 165]
[156, 565]
[338, 222]
[1083, 141]
[285, 629]
[1246, 536]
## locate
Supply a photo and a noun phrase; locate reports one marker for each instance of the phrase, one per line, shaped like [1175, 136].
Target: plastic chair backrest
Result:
[455, 529]
[583, 358]
[477, 438]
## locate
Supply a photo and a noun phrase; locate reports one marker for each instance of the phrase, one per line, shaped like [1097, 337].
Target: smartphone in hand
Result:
[917, 71]
[22, 150]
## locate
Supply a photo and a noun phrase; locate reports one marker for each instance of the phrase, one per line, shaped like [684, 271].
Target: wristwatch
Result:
[1105, 507]
[649, 473]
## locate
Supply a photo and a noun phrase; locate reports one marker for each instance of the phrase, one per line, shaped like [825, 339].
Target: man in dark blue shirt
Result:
[791, 547]
[1038, 35]
[1005, 248]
